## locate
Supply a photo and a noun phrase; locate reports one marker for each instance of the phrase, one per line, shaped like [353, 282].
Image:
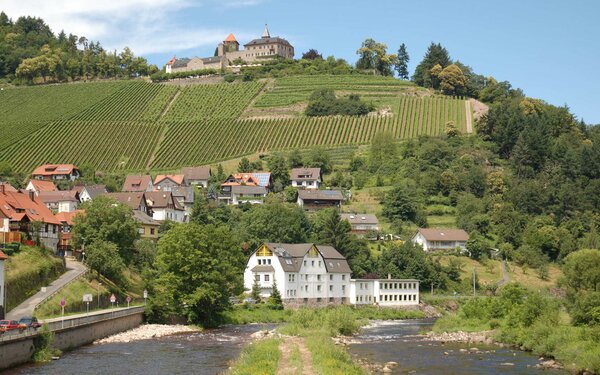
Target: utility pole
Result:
[474, 282]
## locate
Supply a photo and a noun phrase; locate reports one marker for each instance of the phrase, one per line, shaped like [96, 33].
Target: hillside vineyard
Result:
[136, 125]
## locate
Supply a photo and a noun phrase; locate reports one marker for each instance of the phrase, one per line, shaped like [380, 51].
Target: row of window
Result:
[397, 297]
[312, 263]
[257, 277]
[398, 285]
[319, 288]
[264, 261]
[319, 277]
[290, 293]
[367, 298]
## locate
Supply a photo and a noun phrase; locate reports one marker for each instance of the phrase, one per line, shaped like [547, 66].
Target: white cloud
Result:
[146, 26]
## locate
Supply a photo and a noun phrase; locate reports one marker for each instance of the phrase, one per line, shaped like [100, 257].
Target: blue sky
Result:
[548, 48]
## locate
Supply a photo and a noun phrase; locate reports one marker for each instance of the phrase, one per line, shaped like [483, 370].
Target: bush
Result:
[229, 78]
[323, 102]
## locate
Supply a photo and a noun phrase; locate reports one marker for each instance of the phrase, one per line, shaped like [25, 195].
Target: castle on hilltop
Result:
[228, 53]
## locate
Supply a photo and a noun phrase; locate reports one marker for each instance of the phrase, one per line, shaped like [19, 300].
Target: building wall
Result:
[306, 184]
[162, 214]
[2, 287]
[203, 183]
[67, 206]
[418, 238]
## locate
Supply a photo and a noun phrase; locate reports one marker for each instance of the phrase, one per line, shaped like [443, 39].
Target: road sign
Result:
[63, 302]
[87, 298]
[145, 294]
[113, 299]
[128, 299]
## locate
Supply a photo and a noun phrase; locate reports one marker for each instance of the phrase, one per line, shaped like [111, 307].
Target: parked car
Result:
[30, 322]
[10, 325]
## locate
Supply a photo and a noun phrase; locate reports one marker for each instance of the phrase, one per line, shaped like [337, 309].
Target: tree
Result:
[107, 220]
[401, 65]
[452, 80]
[255, 292]
[312, 54]
[279, 169]
[244, 166]
[104, 258]
[400, 204]
[275, 302]
[582, 270]
[319, 158]
[330, 229]
[198, 269]
[409, 261]
[435, 55]
[374, 56]
[295, 159]
[145, 253]
[477, 246]
[451, 129]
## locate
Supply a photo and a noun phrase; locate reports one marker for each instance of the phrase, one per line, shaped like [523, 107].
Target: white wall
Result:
[4, 225]
[306, 184]
[67, 206]
[2, 283]
[161, 214]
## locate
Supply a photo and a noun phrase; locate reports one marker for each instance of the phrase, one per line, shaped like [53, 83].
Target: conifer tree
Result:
[255, 293]
[275, 302]
[401, 65]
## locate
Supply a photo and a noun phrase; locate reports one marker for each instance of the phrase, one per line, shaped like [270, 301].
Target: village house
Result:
[362, 223]
[307, 178]
[65, 240]
[60, 201]
[89, 192]
[164, 206]
[134, 200]
[309, 274]
[197, 176]
[169, 181]
[245, 188]
[137, 183]
[56, 172]
[314, 200]
[39, 186]
[148, 226]
[185, 197]
[228, 53]
[22, 210]
[432, 239]
[5, 186]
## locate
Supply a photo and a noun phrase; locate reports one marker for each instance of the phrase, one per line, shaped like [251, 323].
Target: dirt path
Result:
[295, 358]
[469, 117]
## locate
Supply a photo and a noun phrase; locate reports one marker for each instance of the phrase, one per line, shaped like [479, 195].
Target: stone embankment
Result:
[147, 331]
[460, 336]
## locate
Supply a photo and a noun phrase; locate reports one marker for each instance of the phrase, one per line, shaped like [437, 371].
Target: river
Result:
[203, 353]
[400, 341]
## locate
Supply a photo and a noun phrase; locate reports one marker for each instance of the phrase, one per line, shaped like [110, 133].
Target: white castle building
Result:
[309, 274]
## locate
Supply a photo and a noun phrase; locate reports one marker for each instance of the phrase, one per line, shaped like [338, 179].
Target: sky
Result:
[548, 48]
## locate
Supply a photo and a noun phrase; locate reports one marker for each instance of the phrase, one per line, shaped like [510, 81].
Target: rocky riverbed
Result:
[147, 331]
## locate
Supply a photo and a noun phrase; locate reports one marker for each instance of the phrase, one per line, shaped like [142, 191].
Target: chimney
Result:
[1, 188]
[32, 196]
[389, 276]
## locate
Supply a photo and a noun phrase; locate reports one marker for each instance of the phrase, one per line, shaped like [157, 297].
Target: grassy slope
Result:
[195, 130]
[28, 271]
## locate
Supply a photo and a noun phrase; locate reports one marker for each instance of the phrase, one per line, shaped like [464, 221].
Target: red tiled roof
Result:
[131, 199]
[54, 169]
[67, 217]
[40, 185]
[59, 196]
[176, 178]
[16, 206]
[136, 182]
[172, 61]
[7, 187]
[230, 38]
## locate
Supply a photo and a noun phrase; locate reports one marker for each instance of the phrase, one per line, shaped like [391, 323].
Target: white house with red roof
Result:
[56, 172]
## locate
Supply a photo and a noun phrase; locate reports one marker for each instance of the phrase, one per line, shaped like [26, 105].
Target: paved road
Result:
[469, 116]
[74, 270]
[505, 277]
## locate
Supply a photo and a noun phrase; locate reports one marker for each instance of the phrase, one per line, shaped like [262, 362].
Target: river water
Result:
[202, 353]
[400, 341]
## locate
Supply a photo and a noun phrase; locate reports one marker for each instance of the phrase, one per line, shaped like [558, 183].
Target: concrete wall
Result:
[76, 331]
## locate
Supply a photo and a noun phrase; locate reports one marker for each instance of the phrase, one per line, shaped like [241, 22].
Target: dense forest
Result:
[29, 51]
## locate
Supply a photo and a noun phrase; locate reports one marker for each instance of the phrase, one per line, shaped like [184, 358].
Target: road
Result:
[74, 270]
[469, 116]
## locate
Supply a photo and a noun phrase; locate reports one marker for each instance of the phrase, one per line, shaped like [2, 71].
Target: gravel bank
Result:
[147, 331]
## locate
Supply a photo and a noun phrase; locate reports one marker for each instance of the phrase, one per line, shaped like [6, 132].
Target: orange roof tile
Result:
[176, 178]
[7, 187]
[40, 185]
[67, 217]
[18, 205]
[54, 169]
[230, 38]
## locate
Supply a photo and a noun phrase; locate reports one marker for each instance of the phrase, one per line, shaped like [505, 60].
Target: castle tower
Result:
[266, 33]
[230, 44]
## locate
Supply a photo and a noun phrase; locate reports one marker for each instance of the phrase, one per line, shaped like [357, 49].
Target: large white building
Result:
[309, 274]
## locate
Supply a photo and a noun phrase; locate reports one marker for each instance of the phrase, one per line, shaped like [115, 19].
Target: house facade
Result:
[314, 200]
[89, 192]
[39, 186]
[65, 240]
[134, 200]
[60, 201]
[228, 53]
[164, 206]
[435, 239]
[56, 172]
[148, 226]
[197, 176]
[306, 178]
[309, 274]
[362, 223]
[185, 197]
[169, 182]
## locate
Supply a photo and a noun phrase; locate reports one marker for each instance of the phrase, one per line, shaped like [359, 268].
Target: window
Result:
[257, 277]
[291, 277]
[319, 263]
[151, 230]
[331, 288]
[313, 263]
[343, 288]
[266, 277]
[318, 277]
[269, 261]
[318, 288]
[343, 277]
[304, 263]
[331, 277]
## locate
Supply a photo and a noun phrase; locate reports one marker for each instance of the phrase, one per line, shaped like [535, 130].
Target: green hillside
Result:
[136, 125]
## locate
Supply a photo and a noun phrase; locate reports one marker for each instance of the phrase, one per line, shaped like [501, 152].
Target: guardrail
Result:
[47, 298]
[56, 324]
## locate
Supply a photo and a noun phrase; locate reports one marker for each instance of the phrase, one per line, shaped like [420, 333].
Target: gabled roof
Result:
[180, 63]
[136, 182]
[360, 218]
[67, 217]
[312, 174]
[290, 256]
[276, 40]
[40, 185]
[54, 169]
[17, 206]
[321, 195]
[161, 199]
[172, 61]
[59, 196]
[92, 190]
[187, 192]
[196, 173]
[263, 268]
[230, 38]
[144, 219]
[176, 178]
[248, 189]
[132, 199]
[7, 187]
[442, 234]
